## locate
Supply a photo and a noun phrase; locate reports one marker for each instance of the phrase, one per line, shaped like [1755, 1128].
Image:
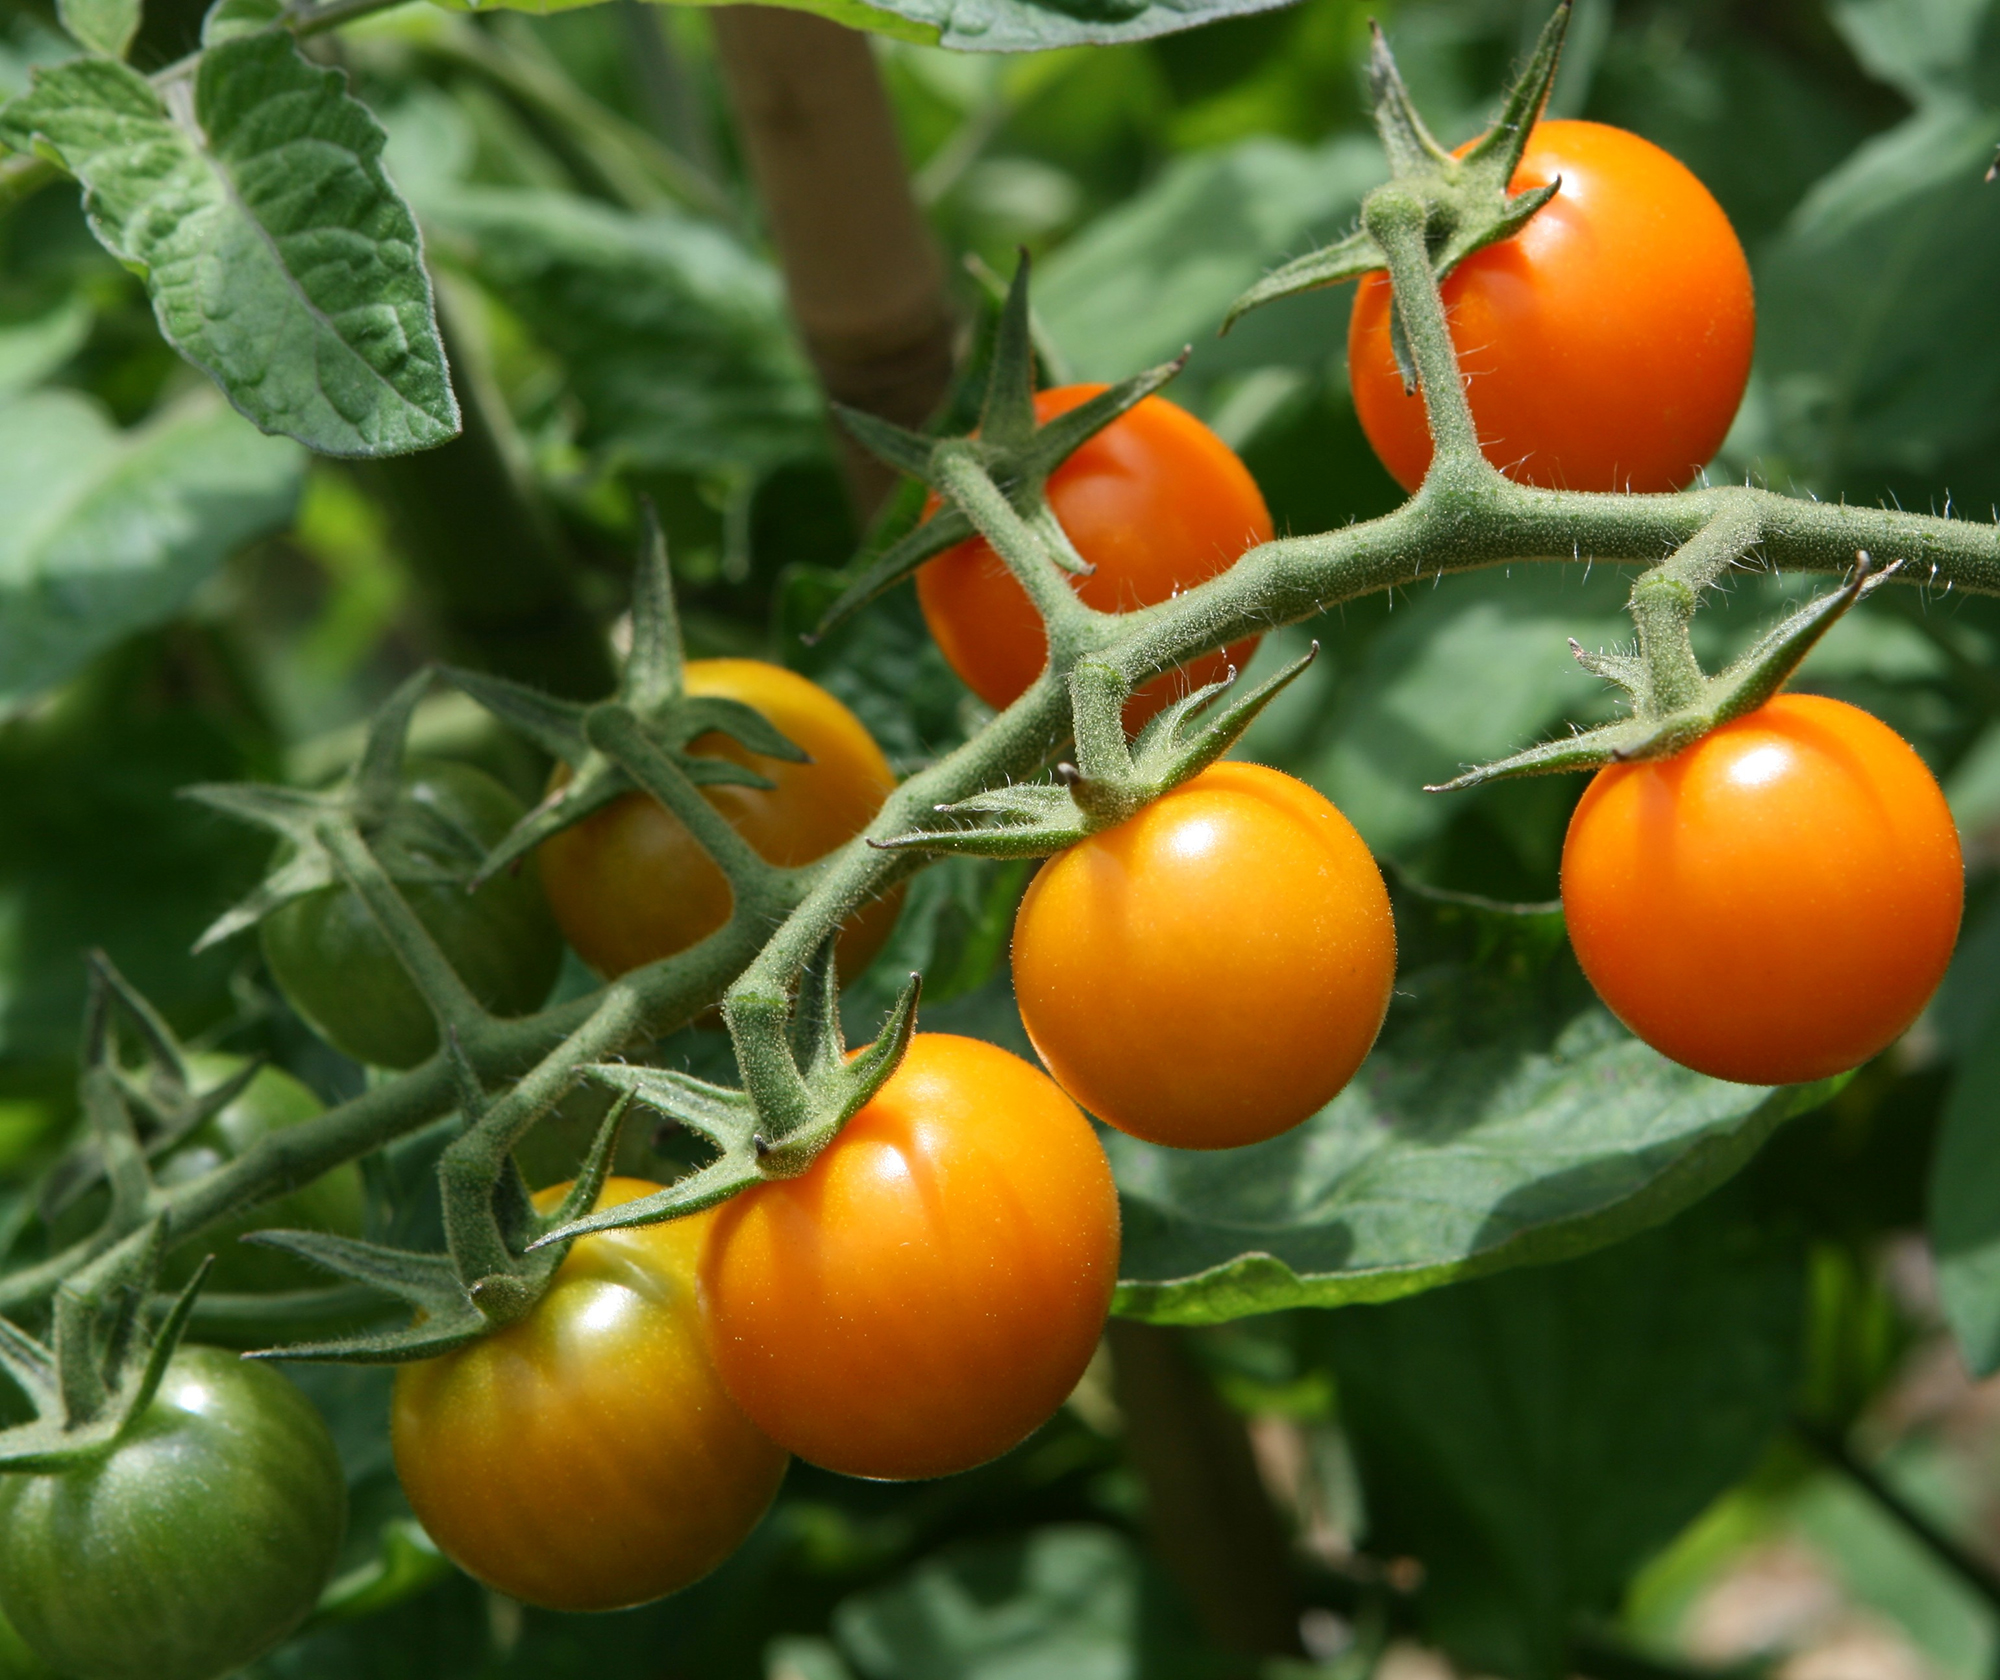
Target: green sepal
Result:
[58, 1437]
[1469, 198]
[1037, 819]
[1016, 453]
[650, 691]
[837, 1089]
[1750, 681]
[588, 1184]
[447, 1318]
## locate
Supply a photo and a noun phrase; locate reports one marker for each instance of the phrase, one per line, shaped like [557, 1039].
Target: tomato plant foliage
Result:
[333, 345]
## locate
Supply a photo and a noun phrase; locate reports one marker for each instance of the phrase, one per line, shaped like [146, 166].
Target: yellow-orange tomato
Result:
[1212, 970]
[931, 1288]
[588, 1457]
[1605, 346]
[1773, 904]
[1156, 502]
[629, 885]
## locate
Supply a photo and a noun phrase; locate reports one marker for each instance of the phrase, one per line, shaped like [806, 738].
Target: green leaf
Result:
[1965, 1203]
[104, 26]
[679, 349]
[1924, 48]
[108, 532]
[1532, 1439]
[1160, 271]
[1504, 1119]
[1061, 1604]
[984, 25]
[279, 258]
[228, 19]
[33, 349]
[1880, 266]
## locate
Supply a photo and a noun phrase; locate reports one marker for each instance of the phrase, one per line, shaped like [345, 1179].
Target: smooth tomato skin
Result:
[629, 884]
[1213, 970]
[338, 972]
[1156, 502]
[1605, 346]
[1775, 903]
[929, 1291]
[198, 1543]
[588, 1457]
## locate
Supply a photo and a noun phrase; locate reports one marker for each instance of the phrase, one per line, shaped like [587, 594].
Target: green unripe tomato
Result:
[335, 1201]
[17, 1662]
[200, 1540]
[272, 1101]
[338, 972]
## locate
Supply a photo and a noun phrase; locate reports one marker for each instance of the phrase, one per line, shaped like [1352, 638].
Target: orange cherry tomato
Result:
[1605, 346]
[930, 1289]
[1211, 971]
[1156, 502]
[1774, 903]
[630, 885]
[588, 1456]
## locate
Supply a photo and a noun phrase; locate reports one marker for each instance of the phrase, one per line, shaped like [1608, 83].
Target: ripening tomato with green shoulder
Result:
[930, 1289]
[1773, 904]
[199, 1541]
[587, 1457]
[1605, 346]
[1156, 502]
[335, 968]
[630, 884]
[1212, 970]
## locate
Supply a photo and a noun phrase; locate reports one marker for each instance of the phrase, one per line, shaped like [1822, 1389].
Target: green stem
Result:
[451, 1004]
[1396, 220]
[964, 480]
[1975, 1572]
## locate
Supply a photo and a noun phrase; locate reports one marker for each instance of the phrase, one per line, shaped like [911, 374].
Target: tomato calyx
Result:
[992, 482]
[1674, 702]
[800, 1087]
[1111, 778]
[1465, 203]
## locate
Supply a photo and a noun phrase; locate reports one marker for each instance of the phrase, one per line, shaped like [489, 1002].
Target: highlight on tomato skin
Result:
[1605, 346]
[1774, 904]
[588, 1457]
[629, 884]
[930, 1289]
[1212, 971]
[1156, 502]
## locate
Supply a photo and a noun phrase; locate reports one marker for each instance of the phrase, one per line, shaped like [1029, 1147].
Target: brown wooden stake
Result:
[866, 283]
[1207, 1515]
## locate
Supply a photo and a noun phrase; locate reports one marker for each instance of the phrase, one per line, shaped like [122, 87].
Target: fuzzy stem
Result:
[965, 481]
[1396, 220]
[451, 1004]
[1275, 583]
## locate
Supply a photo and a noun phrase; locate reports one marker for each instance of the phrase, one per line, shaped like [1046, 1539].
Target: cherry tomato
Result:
[1213, 970]
[1774, 903]
[198, 1542]
[1605, 346]
[338, 972]
[587, 1457]
[1156, 502]
[930, 1289]
[629, 883]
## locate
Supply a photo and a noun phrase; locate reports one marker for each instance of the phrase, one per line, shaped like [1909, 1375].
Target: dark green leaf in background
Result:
[1532, 1439]
[279, 258]
[109, 532]
[1965, 1203]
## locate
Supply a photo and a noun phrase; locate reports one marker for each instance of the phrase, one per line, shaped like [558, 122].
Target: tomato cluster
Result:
[1773, 904]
